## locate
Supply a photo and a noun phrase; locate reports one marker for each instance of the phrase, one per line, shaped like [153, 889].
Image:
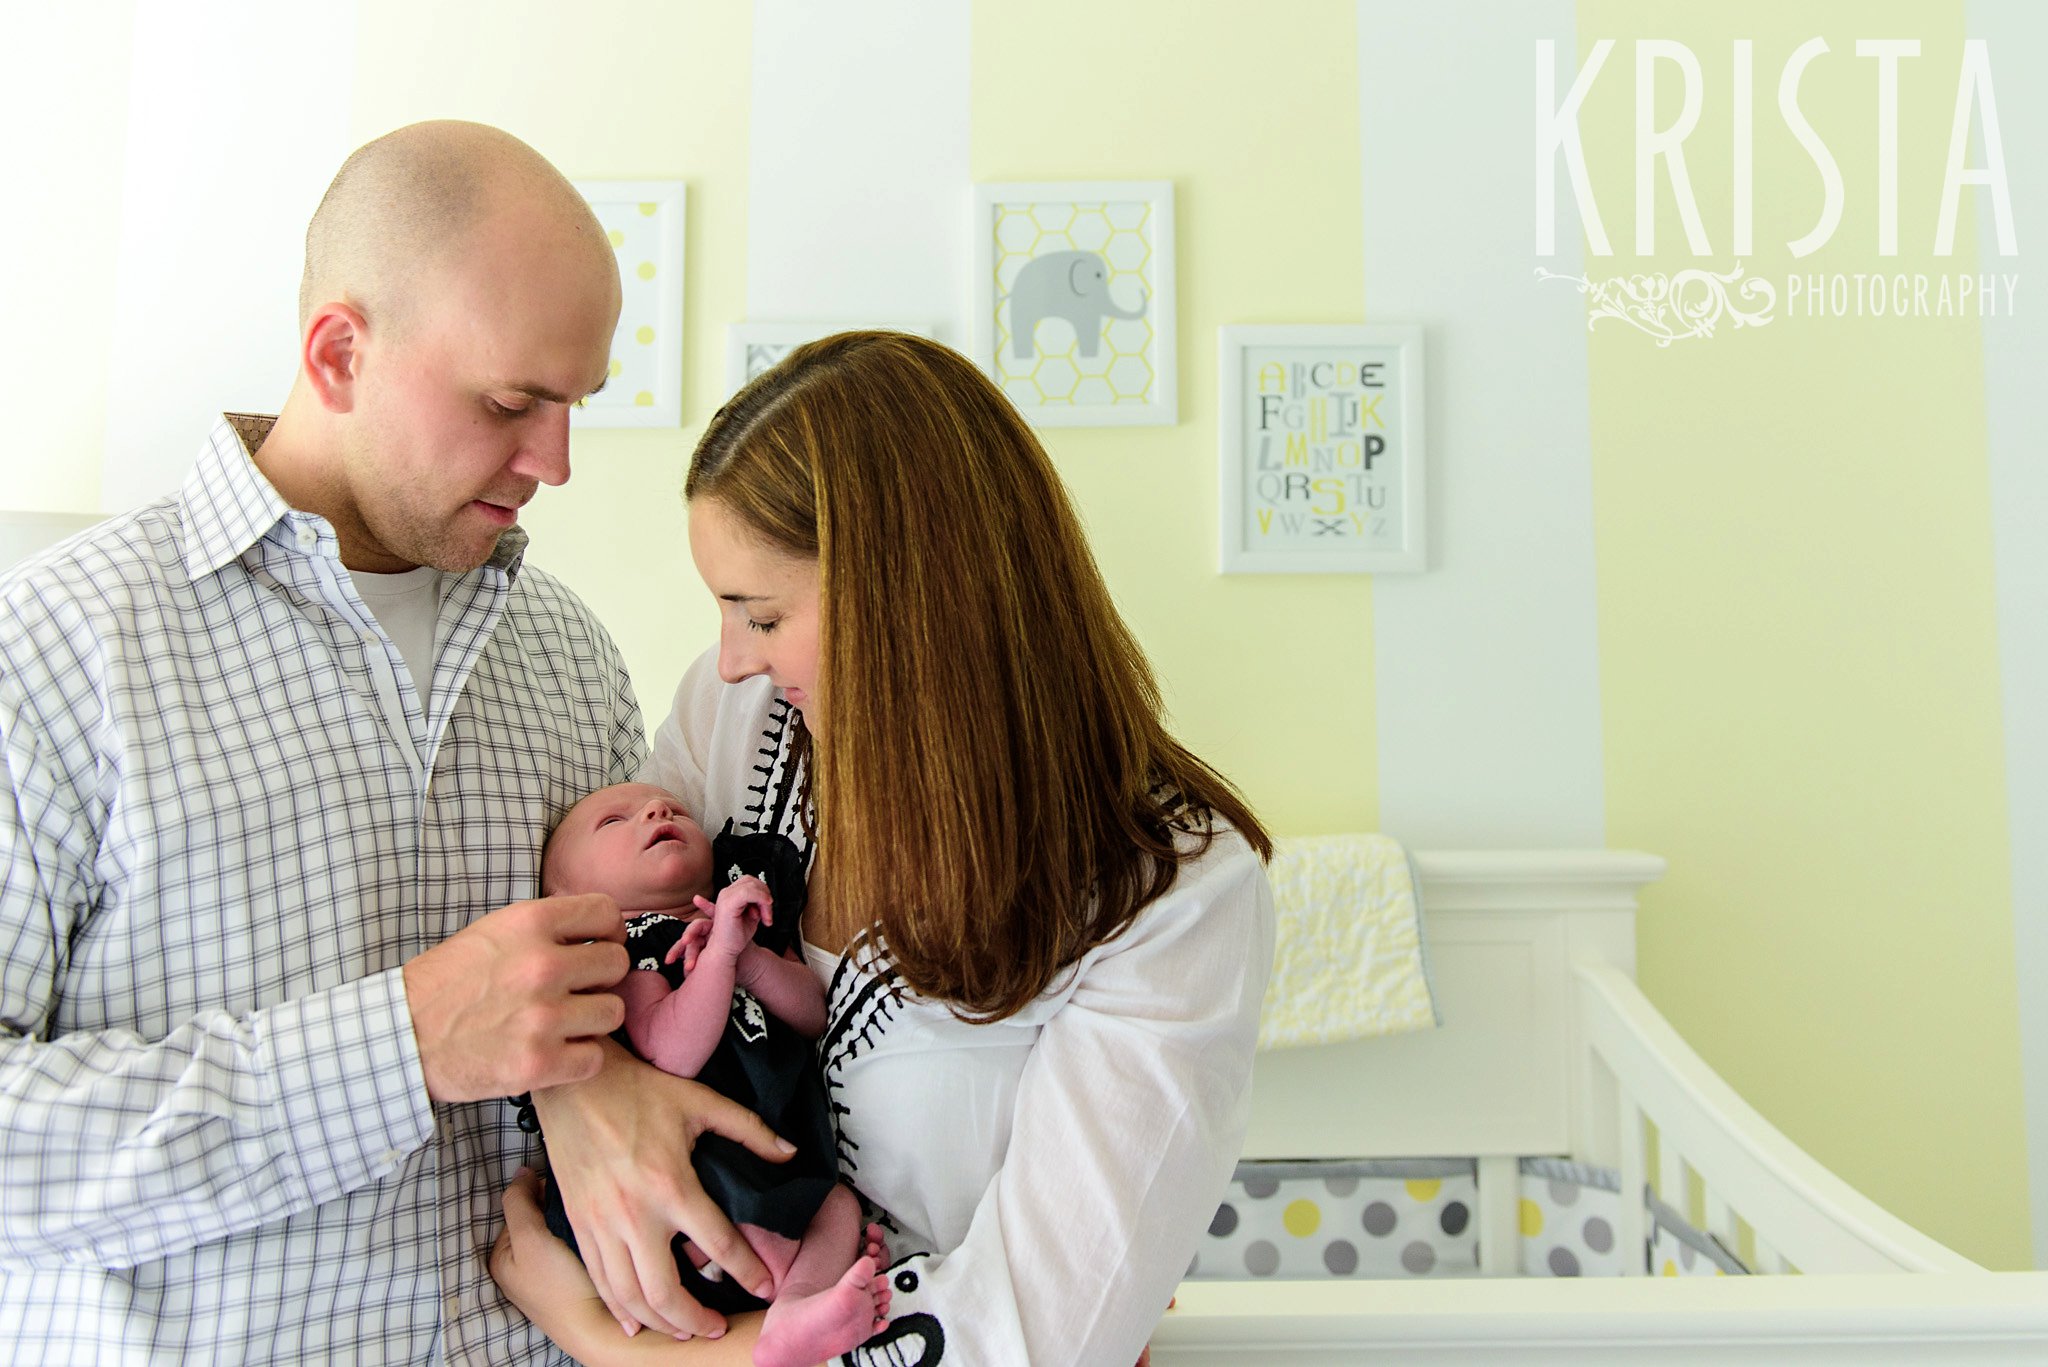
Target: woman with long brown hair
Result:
[1044, 924]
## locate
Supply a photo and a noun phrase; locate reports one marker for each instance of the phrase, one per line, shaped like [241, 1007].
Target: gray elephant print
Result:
[1069, 285]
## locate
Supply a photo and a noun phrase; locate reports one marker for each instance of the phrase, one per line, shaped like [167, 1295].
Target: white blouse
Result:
[1046, 1177]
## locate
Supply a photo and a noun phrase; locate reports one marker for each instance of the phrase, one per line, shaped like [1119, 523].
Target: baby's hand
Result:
[741, 908]
[690, 944]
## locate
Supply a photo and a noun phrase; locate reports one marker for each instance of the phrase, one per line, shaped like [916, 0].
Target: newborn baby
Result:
[704, 1000]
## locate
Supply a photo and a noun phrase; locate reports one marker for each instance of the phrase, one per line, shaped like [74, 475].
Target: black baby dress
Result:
[760, 1062]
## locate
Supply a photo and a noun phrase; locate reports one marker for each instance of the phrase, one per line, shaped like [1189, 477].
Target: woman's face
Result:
[767, 606]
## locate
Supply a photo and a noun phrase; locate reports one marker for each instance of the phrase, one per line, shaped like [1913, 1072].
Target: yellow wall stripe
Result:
[1254, 117]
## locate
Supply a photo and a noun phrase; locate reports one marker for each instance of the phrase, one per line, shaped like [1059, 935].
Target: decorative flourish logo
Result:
[1698, 303]
[1671, 307]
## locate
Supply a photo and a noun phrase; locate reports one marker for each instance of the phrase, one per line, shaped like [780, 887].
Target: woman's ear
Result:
[331, 353]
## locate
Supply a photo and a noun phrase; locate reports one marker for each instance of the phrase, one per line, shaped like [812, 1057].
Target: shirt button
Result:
[390, 1157]
[308, 538]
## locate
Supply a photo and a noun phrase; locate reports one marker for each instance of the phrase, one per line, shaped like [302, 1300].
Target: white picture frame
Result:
[645, 221]
[1099, 349]
[751, 348]
[1322, 461]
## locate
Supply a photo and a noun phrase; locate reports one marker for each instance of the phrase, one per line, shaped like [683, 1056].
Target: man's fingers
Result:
[585, 916]
[586, 1015]
[580, 968]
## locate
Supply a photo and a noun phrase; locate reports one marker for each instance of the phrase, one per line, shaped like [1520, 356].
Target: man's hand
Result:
[620, 1146]
[516, 1000]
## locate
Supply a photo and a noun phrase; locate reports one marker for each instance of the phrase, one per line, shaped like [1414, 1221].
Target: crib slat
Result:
[1768, 1260]
[1634, 1218]
[1720, 1219]
[1500, 1217]
[1671, 1174]
[1815, 1218]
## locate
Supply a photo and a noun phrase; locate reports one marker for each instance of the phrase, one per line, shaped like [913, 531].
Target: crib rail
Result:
[1801, 1216]
[1980, 1320]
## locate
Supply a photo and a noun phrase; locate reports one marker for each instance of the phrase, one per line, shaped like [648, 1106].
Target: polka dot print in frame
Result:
[1074, 300]
[643, 221]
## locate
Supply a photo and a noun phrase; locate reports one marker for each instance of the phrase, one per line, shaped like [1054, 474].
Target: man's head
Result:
[459, 296]
[633, 842]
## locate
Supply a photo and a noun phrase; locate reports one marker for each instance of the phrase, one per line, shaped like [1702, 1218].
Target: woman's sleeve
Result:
[1130, 1115]
[680, 757]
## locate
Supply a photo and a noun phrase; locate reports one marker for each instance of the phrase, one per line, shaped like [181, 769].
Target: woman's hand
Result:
[619, 1146]
[540, 1274]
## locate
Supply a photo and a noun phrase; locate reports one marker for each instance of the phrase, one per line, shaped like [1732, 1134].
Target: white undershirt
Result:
[407, 605]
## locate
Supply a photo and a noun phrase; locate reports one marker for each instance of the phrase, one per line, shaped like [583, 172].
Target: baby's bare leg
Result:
[831, 1299]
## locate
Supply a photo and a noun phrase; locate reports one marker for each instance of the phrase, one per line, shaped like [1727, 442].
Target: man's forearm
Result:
[115, 1150]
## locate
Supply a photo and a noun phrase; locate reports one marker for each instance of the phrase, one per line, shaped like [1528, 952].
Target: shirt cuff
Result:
[349, 1082]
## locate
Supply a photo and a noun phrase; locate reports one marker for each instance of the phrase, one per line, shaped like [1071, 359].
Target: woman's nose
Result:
[735, 660]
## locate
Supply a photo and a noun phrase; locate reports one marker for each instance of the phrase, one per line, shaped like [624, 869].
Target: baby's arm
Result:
[677, 1030]
[786, 987]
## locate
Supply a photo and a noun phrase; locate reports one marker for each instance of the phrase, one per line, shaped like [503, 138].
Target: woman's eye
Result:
[763, 627]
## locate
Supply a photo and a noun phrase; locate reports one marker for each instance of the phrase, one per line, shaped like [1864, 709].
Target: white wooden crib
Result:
[1549, 1048]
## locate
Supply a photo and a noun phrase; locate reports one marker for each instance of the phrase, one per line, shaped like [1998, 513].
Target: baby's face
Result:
[634, 842]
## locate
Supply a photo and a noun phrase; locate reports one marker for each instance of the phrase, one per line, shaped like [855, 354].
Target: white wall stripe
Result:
[1486, 667]
[237, 119]
[2015, 359]
[858, 163]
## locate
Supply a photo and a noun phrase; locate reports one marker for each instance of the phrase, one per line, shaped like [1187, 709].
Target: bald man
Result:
[279, 752]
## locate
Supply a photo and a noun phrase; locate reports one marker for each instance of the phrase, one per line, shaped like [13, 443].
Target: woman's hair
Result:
[993, 782]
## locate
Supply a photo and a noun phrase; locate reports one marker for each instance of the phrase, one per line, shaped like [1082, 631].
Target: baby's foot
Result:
[815, 1328]
[871, 1246]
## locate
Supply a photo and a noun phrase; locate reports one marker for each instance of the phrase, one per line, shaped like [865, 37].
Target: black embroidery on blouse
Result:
[792, 795]
[774, 742]
[780, 799]
[916, 1340]
[858, 1018]
[1177, 813]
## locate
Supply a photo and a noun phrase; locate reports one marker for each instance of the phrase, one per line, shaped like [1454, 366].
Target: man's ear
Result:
[331, 355]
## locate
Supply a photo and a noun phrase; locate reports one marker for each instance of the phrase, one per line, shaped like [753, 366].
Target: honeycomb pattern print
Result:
[1058, 367]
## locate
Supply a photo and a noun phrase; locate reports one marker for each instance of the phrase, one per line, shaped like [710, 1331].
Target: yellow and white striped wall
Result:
[1769, 604]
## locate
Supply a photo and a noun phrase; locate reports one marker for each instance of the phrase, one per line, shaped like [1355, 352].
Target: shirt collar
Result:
[229, 505]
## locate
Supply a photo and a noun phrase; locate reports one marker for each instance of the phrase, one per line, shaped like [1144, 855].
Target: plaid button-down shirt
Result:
[227, 817]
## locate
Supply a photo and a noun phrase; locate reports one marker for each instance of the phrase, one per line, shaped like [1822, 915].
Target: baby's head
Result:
[632, 841]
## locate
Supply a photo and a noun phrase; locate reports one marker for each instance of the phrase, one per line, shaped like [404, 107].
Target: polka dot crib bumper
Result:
[1410, 1218]
[1570, 1213]
[1384, 1218]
